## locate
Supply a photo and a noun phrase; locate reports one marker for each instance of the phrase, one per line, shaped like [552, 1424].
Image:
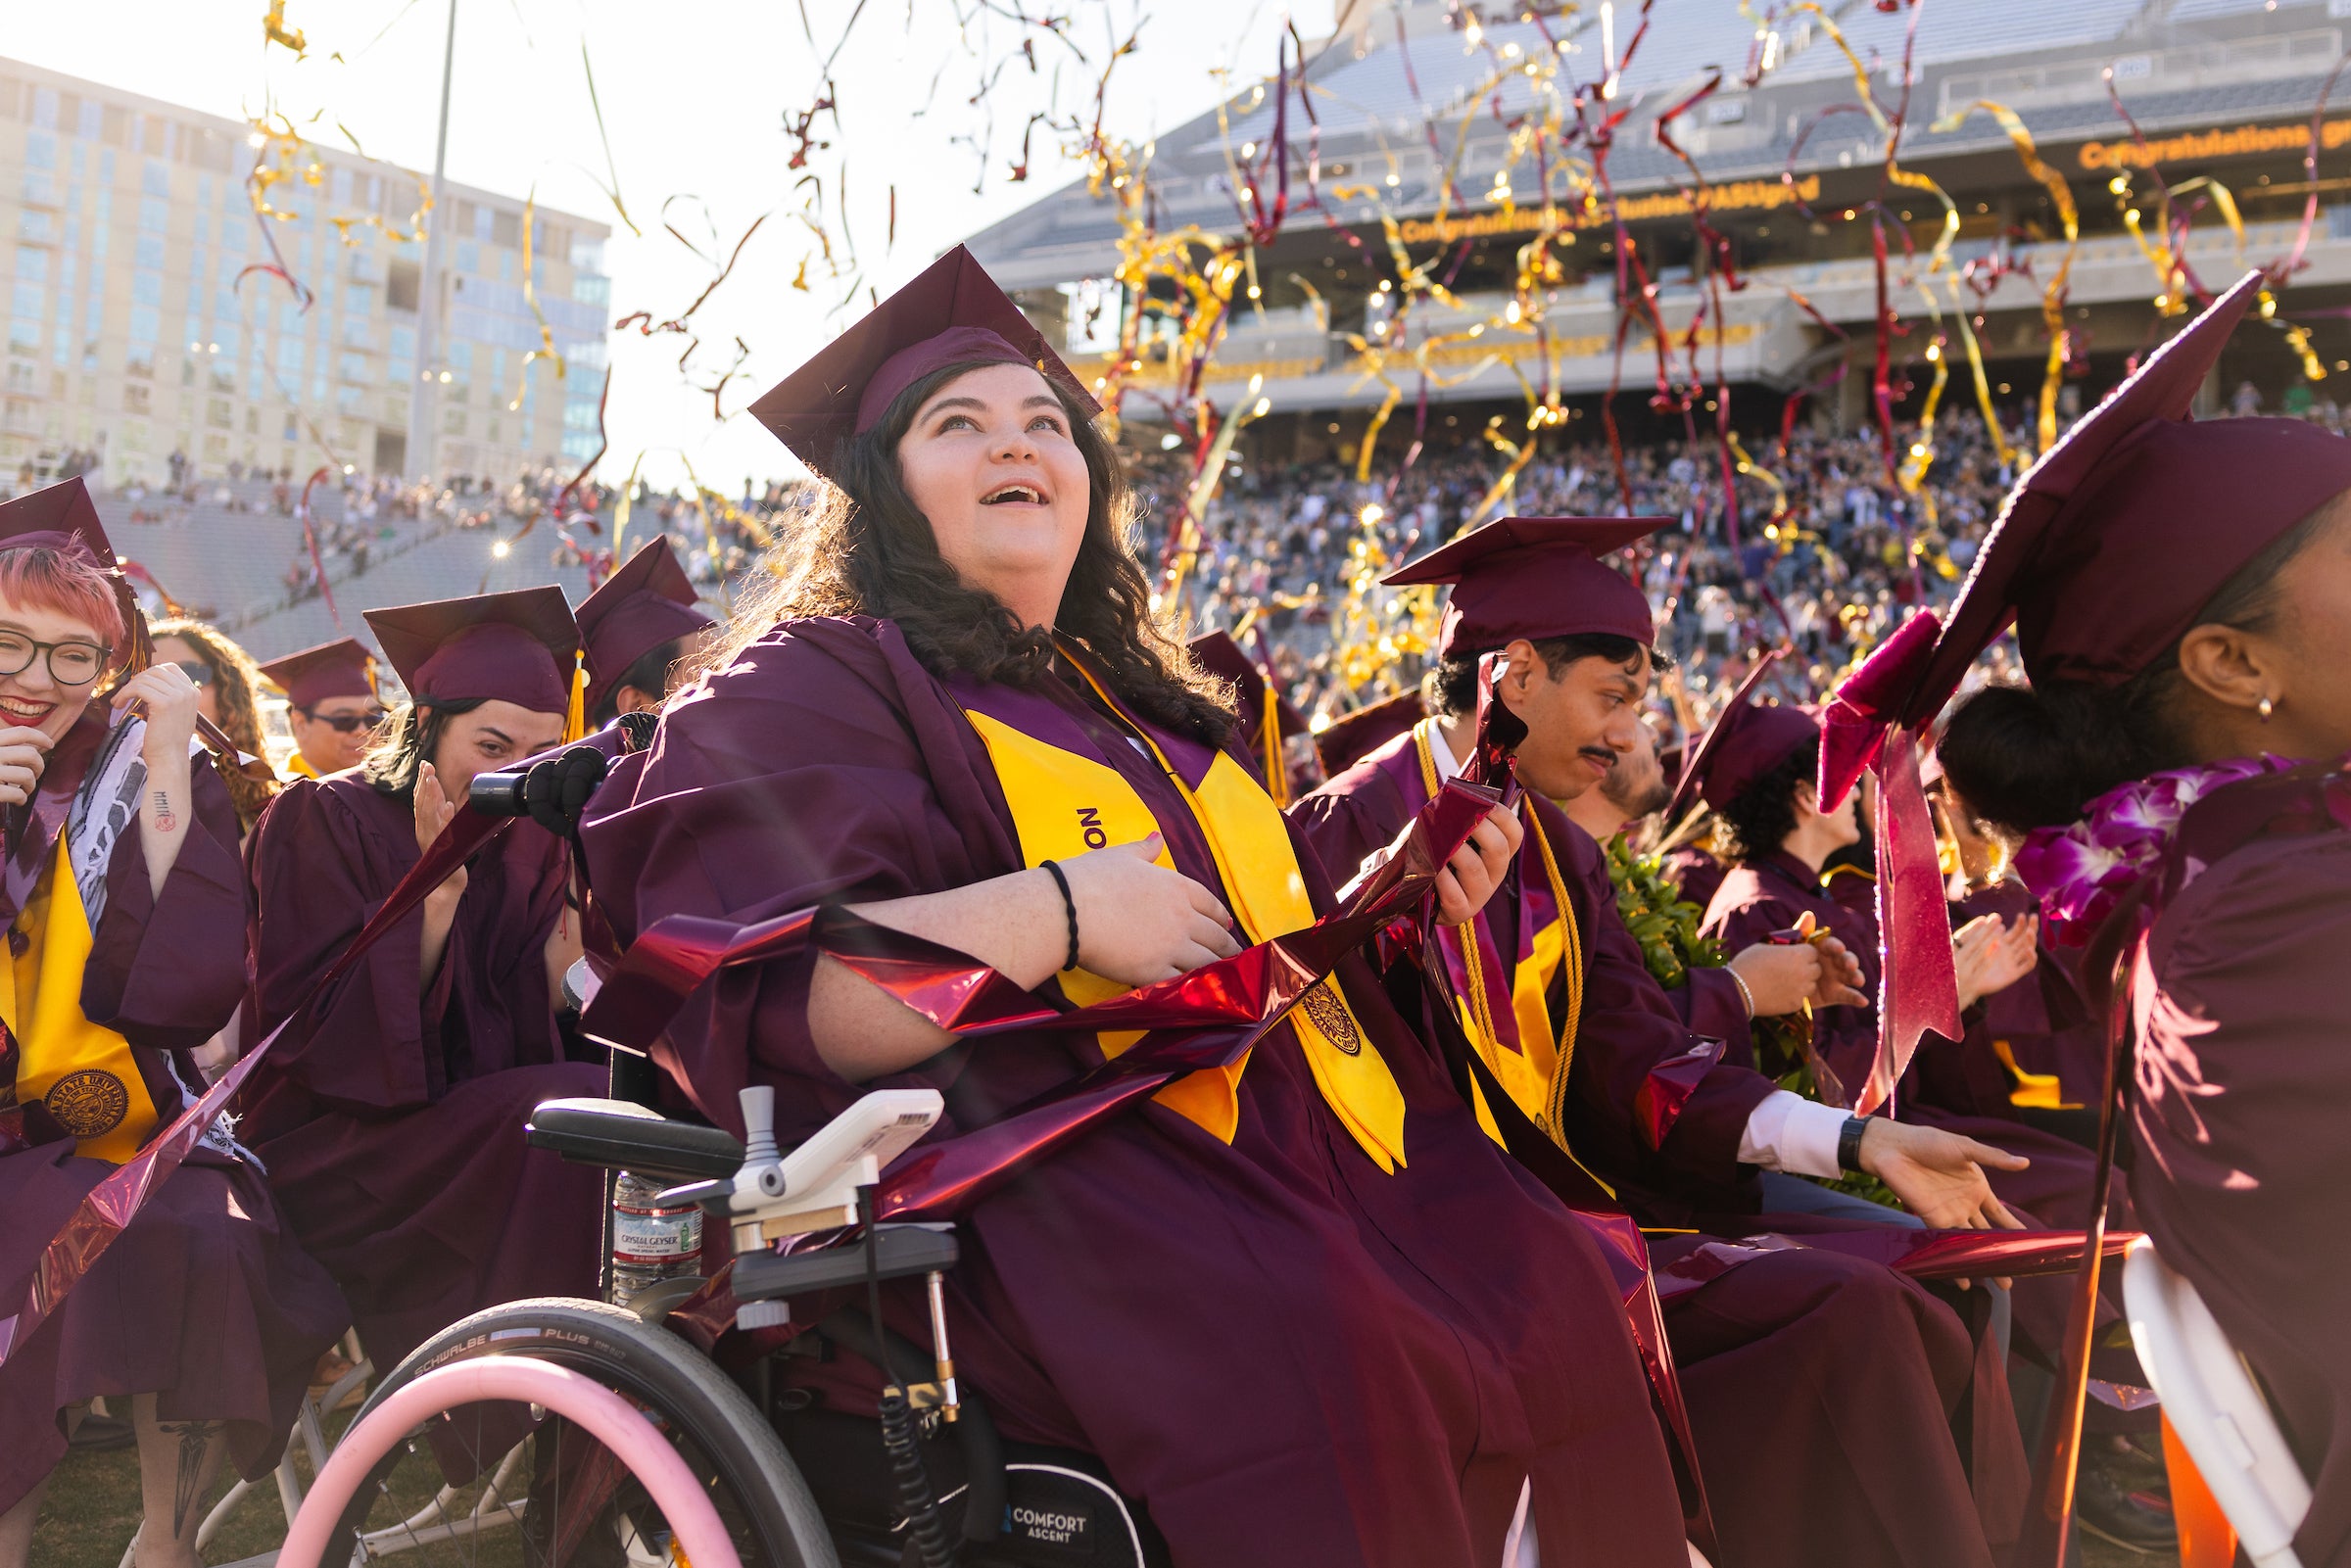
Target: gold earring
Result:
[2266, 708]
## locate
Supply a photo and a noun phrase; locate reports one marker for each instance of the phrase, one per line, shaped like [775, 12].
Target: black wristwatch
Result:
[1849, 1144]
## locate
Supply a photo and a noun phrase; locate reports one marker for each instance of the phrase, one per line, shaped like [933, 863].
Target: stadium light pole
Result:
[422, 404]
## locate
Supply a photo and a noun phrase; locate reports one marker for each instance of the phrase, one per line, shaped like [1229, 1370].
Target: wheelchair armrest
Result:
[900, 1250]
[621, 1137]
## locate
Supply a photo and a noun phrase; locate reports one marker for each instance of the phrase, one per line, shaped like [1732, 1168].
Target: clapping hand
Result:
[1989, 955]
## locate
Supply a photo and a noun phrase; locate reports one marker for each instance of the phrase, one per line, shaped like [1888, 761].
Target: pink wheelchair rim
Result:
[607, 1417]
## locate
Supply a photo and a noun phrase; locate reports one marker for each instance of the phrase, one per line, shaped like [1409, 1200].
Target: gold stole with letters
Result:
[1064, 804]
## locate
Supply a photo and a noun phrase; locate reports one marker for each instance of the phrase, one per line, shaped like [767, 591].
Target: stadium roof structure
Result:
[1412, 139]
[1377, 94]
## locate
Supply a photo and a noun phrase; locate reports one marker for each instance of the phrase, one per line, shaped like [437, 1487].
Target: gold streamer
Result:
[530, 297]
[2053, 290]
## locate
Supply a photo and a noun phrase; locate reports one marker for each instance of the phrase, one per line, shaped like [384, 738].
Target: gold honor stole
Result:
[1509, 1022]
[1065, 803]
[299, 766]
[83, 1075]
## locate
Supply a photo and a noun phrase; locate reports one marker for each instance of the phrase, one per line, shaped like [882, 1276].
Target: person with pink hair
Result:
[123, 901]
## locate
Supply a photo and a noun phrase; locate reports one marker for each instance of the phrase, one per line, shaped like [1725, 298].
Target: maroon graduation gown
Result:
[2243, 1172]
[1289, 1354]
[205, 1299]
[1821, 1390]
[393, 1132]
[1769, 894]
[1694, 873]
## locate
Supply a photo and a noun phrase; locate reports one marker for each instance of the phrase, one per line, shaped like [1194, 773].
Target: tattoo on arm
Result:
[164, 821]
[187, 1493]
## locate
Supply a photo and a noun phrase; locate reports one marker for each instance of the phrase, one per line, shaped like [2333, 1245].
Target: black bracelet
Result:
[1068, 904]
[1849, 1144]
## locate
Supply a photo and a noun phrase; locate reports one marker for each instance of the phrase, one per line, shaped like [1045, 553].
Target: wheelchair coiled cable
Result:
[912, 1482]
[926, 1531]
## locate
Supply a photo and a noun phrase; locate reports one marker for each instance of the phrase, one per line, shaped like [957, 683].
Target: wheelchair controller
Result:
[776, 1198]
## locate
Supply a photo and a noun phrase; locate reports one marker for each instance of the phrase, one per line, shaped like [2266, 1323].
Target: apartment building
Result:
[126, 226]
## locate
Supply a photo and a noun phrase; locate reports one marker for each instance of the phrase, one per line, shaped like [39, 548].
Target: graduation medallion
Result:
[88, 1104]
[1330, 1016]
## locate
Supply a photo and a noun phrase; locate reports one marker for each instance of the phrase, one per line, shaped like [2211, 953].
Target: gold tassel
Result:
[575, 717]
[1277, 771]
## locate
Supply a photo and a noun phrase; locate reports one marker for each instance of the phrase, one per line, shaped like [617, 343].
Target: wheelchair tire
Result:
[759, 1491]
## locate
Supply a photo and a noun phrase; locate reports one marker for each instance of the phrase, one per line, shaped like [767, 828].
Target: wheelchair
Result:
[575, 1432]
[789, 1482]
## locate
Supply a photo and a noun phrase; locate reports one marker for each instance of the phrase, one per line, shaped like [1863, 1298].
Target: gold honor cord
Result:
[1531, 990]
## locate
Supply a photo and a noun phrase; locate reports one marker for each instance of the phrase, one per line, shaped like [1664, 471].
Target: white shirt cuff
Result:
[1789, 1132]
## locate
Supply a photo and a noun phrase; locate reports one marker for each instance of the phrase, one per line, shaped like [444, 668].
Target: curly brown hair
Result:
[869, 550]
[237, 679]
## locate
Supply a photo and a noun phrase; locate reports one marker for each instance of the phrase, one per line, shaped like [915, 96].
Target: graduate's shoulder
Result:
[1742, 895]
[1364, 788]
[821, 690]
[343, 809]
[338, 797]
[808, 658]
[1579, 853]
[2273, 896]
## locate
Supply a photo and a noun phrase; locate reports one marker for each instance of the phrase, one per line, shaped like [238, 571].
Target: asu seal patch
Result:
[1332, 1017]
[88, 1104]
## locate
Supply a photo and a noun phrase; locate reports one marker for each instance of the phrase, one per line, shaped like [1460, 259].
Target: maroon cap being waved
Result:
[648, 602]
[1534, 578]
[2112, 543]
[519, 647]
[951, 313]
[1748, 740]
[343, 668]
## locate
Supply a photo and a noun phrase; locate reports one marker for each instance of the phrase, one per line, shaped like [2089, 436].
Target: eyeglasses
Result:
[197, 674]
[344, 723]
[70, 663]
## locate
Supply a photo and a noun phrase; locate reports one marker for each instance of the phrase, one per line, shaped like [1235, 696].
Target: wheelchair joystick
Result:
[762, 1166]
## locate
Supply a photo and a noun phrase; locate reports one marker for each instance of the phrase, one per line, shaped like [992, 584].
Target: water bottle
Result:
[650, 1243]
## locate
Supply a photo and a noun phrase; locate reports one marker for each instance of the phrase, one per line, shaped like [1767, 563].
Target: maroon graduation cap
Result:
[951, 313]
[1536, 577]
[62, 517]
[2111, 544]
[1748, 740]
[343, 668]
[648, 601]
[1352, 736]
[521, 647]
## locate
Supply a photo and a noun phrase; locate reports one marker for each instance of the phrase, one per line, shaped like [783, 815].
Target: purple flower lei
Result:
[2082, 871]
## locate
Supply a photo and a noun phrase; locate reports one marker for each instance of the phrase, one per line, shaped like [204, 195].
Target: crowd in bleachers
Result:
[1826, 553]
[1828, 547]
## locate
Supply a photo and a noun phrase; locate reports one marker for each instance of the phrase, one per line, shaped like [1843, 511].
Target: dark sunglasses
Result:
[197, 674]
[344, 723]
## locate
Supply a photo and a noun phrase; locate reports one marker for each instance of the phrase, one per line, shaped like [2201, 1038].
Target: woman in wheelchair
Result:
[1257, 1299]
[125, 911]
[392, 1131]
[2182, 593]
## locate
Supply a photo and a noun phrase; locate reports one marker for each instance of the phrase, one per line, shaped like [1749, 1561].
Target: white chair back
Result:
[2215, 1408]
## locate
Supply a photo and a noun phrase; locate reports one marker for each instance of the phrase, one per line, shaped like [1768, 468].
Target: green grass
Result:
[92, 1511]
